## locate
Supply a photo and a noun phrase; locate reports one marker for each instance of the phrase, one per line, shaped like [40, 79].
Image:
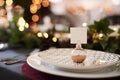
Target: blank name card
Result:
[78, 34]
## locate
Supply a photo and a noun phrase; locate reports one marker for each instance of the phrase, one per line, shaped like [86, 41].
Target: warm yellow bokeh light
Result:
[18, 7]
[45, 3]
[35, 18]
[37, 1]
[38, 6]
[115, 29]
[33, 8]
[21, 22]
[46, 35]
[21, 28]
[54, 39]
[100, 35]
[33, 11]
[26, 25]
[1, 2]
[9, 2]
[39, 34]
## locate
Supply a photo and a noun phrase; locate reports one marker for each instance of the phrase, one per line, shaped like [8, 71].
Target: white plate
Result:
[35, 62]
[61, 58]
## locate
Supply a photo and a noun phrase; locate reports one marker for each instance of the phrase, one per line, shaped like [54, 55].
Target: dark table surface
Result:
[13, 72]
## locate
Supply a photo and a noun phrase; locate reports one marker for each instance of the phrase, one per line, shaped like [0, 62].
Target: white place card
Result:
[78, 34]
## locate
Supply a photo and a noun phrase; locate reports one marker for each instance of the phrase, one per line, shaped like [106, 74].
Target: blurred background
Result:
[46, 23]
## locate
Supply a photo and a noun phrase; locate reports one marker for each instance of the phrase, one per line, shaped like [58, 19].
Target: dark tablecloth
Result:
[37, 75]
[12, 72]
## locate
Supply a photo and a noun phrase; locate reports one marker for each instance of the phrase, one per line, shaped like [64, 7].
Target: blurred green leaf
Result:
[119, 31]
[103, 44]
[100, 26]
[112, 47]
[106, 43]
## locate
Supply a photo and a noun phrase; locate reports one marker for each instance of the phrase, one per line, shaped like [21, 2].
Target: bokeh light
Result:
[26, 25]
[21, 22]
[46, 35]
[33, 8]
[39, 34]
[37, 1]
[21, 28]
[54, 39]
[45, 3]
[35, 18]
[1, 2]
[9, 2]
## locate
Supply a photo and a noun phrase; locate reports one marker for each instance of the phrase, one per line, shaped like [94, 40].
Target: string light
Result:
[1, 2]
[45, 3]
[26, 25]
[35, 18]
[46, 35]
[21, 28]
[101, 35]
[37, 1]
[9, 2]
[54, 39]
[21, 22]
[33, 8]
[36, 5]
[39, 34]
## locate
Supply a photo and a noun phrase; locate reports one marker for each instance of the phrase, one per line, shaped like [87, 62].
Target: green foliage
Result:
[30, 40]
[100, 26]
[119, 31]
[14, 37]
[104, 43]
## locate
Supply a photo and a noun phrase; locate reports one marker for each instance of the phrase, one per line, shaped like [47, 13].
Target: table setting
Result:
[74, 39]
[72, 63]
[37, 66]
[66, 63]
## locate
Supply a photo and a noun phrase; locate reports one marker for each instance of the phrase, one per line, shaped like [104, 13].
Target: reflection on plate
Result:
[35, 62]
[95, 60]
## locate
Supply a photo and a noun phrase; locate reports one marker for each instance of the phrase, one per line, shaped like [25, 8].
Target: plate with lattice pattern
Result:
[61, 59]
